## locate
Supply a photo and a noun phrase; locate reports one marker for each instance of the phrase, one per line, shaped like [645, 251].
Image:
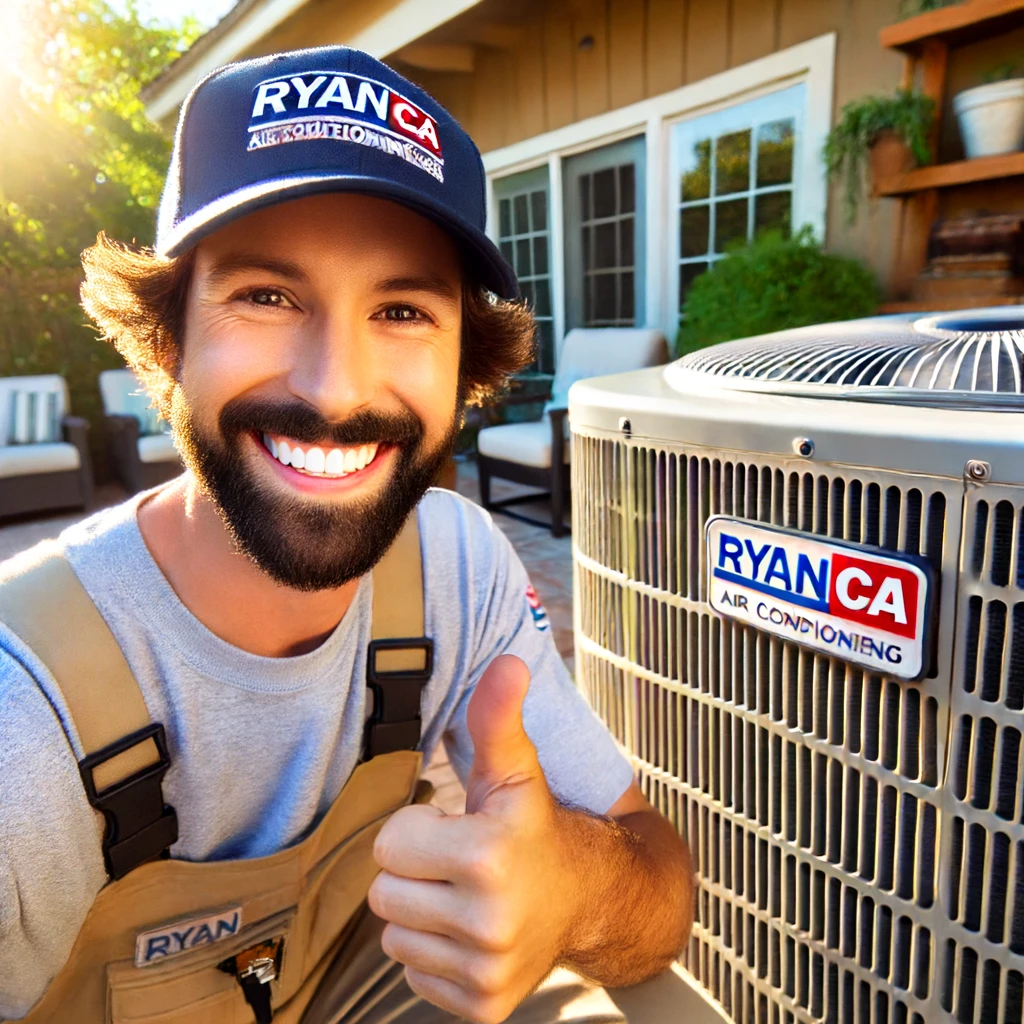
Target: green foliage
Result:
[1002, 72]
[772, 284]
[908, 114]
[79, 156]
[908, 8]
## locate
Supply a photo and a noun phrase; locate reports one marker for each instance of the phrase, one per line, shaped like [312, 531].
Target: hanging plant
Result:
[906, 117]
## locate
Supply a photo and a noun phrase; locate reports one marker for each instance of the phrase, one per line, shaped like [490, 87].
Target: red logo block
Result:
[874, 594]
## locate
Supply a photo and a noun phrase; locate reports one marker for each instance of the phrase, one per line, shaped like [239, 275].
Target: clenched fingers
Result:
[484, 974]
[423, 905]
[421, 841]
[455, 999]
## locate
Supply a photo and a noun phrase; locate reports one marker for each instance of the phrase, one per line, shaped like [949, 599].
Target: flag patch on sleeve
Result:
[540, 616]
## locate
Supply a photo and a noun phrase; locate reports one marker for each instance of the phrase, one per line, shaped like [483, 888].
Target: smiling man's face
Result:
[319, 379]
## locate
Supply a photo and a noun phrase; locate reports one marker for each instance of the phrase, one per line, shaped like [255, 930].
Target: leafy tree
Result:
[79, 156]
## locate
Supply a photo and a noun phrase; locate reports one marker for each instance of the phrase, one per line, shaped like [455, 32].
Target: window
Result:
[604, 216]
[607, 229]
[735, 175]
[524, 240]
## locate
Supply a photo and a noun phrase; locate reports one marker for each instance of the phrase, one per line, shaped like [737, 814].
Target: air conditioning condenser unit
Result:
[799, 580]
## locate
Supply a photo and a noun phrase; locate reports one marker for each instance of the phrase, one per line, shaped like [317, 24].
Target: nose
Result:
[334, 369]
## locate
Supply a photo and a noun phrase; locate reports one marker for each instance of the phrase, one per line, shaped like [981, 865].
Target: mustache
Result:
[302, 422]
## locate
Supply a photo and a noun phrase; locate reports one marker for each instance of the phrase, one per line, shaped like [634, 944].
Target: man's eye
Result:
[402, 313]
[268, 297]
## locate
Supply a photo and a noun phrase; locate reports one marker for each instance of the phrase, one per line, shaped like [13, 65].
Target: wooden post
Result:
[918, 212]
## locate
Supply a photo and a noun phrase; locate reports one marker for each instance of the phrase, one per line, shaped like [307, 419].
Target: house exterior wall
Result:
[643, 48]
[320, 23]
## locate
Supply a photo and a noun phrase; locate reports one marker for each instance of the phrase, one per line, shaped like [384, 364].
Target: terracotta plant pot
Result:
[888, 155]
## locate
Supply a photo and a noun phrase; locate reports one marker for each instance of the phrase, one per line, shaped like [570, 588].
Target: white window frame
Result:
[812, 62]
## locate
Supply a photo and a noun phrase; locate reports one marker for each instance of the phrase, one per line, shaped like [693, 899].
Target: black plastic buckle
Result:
[395, 721]
[140, 826]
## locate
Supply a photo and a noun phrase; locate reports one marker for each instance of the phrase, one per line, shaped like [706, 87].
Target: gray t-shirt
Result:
[260, 747]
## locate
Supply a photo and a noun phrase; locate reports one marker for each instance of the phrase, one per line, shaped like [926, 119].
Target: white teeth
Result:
[335, 464]
[315, 460]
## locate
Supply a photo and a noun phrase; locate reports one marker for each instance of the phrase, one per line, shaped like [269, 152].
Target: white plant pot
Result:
[991, 117]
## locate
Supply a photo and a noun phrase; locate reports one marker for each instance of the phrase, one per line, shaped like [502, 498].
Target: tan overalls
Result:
[287, 937]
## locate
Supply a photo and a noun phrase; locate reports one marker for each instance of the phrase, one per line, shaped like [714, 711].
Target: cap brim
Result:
[485, 261]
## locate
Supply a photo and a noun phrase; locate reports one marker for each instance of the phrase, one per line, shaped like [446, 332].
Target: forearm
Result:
[634, 896]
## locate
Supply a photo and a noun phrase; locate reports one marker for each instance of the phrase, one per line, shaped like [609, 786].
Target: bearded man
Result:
[216, 697]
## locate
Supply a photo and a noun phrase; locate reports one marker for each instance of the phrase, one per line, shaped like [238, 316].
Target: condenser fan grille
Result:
[981, 354]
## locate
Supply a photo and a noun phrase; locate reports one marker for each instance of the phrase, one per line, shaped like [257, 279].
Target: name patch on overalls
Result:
[169, 940]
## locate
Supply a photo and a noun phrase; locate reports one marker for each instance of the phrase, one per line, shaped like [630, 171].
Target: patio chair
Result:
[44, 456]
[141, 450]
[536, 453]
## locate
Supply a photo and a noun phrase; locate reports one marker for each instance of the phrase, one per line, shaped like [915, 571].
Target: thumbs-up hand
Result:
[479, 905]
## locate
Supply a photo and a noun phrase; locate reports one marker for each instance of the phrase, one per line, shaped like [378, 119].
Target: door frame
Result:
[812, 62]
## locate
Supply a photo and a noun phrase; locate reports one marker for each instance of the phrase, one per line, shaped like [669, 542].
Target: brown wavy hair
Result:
[137, 300]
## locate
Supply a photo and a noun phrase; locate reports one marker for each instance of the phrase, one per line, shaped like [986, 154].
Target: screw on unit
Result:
[977, 470]
[626, 427]
[803, 446]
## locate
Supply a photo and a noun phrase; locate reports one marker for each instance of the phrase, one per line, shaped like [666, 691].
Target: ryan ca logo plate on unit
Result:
[845, 600]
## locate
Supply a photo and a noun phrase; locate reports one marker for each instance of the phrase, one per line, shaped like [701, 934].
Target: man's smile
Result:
[319, 460]
[322, 469]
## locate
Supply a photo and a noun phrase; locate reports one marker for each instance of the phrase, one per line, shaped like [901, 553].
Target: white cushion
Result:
[597, 351]
[28, 459]
[529, 444]
[35, 417]
[157, 448]
[123, 395]
[48, 382]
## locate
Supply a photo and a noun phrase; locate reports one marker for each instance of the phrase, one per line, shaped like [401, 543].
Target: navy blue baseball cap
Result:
[329, 119]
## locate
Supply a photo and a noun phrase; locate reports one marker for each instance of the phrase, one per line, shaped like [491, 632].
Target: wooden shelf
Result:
[961, 23]
[962, 172]
[944, 305]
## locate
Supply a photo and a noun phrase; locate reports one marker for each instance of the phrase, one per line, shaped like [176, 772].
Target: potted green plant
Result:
[991, 115]
[886, 134]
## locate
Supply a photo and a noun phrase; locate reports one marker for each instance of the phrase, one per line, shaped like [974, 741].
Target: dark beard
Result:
[302, 543]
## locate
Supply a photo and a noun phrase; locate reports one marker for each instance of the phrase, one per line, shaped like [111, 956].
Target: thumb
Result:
[502, 752]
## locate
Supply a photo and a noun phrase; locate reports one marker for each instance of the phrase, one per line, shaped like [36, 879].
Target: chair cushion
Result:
[29, 459]
[32, 407]
[597, 351]
[123, 394]
[35, 417]
[157, 448]
[529, 444]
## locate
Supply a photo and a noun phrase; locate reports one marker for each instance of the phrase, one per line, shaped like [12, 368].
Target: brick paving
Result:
[547, 559]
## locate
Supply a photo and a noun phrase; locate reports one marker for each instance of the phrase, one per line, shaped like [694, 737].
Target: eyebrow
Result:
[438, 286]
[238, 262]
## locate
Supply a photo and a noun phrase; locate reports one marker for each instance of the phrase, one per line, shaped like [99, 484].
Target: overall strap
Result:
[400, 658]
[43, 602]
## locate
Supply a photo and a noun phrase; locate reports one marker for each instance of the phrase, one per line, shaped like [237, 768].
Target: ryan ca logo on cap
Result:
[325, 105]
